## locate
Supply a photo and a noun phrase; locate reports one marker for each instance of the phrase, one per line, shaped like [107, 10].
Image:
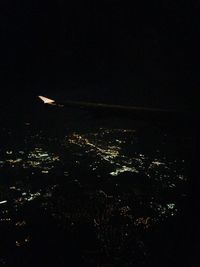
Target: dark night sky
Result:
[147, 50]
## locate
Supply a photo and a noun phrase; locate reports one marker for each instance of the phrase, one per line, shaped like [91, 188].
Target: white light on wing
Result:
[2, 202]
[46, 100]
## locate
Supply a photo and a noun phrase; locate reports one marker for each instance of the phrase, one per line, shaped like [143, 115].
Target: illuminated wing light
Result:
[2, 202]
[47, 100]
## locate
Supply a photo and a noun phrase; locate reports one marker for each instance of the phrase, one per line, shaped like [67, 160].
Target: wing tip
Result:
[46, 100]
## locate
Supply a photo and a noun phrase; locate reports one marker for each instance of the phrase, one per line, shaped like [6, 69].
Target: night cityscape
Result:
[99, 134]
[100, 194]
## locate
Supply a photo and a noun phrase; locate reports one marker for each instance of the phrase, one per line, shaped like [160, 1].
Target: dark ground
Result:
[74, 210]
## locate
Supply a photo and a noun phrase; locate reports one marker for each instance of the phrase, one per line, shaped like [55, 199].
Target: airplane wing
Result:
[127, 111]
[46, 100]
